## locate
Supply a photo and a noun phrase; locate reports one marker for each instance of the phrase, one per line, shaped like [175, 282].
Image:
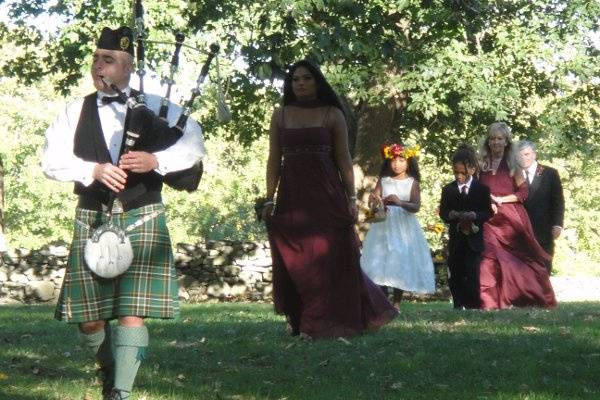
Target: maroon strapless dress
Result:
[512, 271]
[317, 280]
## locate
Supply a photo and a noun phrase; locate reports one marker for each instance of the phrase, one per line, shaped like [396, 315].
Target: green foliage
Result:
[578, 248]
[450, 68]
[36, 212]
[223, 207]
[433, 179]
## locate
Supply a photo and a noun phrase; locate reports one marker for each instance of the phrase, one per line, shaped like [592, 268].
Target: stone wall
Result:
[224, 270]
[32, 276]
[214, 270]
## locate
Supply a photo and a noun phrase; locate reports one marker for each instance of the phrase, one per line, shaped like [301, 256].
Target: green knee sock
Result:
[130, 349]
[100, 344]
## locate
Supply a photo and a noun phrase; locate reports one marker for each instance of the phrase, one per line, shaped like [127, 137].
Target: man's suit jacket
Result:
[545, 203]
[477, 200]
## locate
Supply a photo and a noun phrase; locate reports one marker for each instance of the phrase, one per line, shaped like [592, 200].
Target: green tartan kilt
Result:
[147, 289]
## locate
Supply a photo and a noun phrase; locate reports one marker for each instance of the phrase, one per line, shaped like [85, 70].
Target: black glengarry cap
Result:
[120, 39]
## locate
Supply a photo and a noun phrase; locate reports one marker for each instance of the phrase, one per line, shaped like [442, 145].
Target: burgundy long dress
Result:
[317, 280]
[512, 271]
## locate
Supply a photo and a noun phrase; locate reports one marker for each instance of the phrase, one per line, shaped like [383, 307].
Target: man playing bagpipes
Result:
[118, 183]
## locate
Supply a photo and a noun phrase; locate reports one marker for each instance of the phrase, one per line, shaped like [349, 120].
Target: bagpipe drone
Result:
[150, 132]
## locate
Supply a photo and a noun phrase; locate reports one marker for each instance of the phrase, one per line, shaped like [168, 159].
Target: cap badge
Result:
[124, 43]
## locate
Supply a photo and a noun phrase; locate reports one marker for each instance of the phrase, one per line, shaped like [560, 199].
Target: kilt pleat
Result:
[147, 289]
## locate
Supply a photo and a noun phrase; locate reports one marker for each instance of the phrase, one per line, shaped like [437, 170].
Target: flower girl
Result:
[395, 251]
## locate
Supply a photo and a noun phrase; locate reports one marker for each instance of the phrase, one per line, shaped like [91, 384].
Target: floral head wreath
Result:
[390, 151]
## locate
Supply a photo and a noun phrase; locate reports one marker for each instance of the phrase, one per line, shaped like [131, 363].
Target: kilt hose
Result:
[147, 289]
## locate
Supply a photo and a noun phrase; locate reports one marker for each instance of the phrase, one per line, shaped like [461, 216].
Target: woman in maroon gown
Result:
[317, 281]
[512, 271]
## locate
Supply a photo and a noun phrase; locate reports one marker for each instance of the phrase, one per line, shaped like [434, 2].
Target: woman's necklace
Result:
[307, 113]
[495, 163]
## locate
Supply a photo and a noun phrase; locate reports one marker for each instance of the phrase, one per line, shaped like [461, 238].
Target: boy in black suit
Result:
[465, 205]
[545, 203]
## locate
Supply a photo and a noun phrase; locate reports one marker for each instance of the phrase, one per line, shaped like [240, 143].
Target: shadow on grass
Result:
[12, 396]
[240, 351]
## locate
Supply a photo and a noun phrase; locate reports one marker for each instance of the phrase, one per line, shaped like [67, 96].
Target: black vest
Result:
[89, 145]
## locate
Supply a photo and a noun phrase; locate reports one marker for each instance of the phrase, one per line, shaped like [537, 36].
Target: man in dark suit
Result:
[465, 205]
[545, 203]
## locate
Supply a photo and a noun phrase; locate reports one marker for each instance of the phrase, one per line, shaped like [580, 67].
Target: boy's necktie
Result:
[463, 196]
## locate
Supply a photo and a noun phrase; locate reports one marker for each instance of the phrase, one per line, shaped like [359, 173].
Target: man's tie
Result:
[527, 176]
[463, 197]
[110, 99]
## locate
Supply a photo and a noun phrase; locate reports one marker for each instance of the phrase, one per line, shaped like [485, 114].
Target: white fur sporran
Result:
[108, 253]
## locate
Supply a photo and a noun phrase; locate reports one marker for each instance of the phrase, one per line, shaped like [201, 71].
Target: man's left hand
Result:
[138, 162]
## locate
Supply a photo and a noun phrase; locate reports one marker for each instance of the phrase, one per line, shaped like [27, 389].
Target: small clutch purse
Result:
[259, 205]
[376, 213]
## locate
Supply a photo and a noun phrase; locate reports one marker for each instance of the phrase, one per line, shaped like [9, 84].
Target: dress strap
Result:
[282, 119]
[326, 117]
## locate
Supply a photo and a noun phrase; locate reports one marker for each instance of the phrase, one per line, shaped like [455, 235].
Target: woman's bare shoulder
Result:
[336, 117]
[337, 113]
[277, 110]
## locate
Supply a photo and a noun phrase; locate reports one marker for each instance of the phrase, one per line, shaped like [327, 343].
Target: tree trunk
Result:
[375, 125]
[1, 196]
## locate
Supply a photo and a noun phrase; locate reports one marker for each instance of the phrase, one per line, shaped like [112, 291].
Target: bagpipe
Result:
[147, 131]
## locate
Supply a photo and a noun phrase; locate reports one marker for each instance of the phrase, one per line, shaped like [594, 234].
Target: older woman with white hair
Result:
[512, 271]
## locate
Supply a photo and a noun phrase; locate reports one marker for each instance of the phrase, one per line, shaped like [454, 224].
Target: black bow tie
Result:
[110, 99]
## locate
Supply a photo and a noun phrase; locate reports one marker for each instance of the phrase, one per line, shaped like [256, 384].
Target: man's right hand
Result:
[111, 176]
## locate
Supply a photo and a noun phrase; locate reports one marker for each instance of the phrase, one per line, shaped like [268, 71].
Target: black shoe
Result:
[116, 394]
[107, 376]
[293, 326]
[292, 330]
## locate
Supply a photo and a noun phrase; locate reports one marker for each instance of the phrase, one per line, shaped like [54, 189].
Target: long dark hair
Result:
[325, 92]
[412, 170]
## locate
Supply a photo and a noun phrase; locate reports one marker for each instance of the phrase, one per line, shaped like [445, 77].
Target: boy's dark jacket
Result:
[477, 200]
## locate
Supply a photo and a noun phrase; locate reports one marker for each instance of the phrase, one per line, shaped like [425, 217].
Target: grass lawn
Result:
[239, 351]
